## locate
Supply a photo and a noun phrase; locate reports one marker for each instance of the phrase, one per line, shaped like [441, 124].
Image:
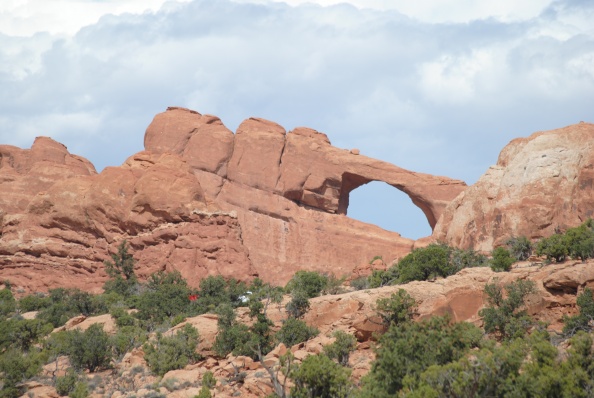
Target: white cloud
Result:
[442, 11]
[434, 97]
[27, 17]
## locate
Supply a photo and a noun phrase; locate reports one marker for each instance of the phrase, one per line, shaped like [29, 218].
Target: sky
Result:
[434, 86]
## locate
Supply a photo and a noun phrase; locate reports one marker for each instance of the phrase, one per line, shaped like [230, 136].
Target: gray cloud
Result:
[438, 98]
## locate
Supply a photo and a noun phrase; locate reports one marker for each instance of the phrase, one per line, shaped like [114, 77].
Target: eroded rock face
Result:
[290, 191]
[60, 236]
[201, 200]
[540, 184]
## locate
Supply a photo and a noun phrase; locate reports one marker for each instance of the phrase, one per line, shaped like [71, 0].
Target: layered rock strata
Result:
[202, 200]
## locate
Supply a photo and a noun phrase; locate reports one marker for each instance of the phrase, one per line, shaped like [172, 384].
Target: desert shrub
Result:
[204, 393]
[460, 259]
[580, 241]
[122, 317]
[360, 283]
[5, 329]
[126, 339]
[504, 316]
[90, 349]
[583, 320]
[379, 278]
[294, 331]
[580, 362]
[310, 282]
[86, 304]
[208, 379]
[320, 377]
[520, 247]
[15, 367]
[528, 367]
[57, 344]
[231, 334]
[334, 285]
[81, 390]
[398, 308]
[264, 291]
[172, 352]
[65, 384]
[484, 374]
[502, 260]
[408, 349]
[554, 248]
[24, 333]
[239, 338]
[260, 340]
[299, 304]
[215, 290]
[425, 263]
[231, 339]
[34, 302]
[435, 260]
[376, 258]
[341, 348]
[167, 295]
[7, 302]
[67, 303]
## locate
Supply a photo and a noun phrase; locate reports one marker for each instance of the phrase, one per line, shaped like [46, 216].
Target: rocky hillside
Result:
[203, 201]
[461, 296]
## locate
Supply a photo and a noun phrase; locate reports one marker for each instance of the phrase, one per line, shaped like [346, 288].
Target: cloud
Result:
[440, 11]
[434, 94]
[66, 17]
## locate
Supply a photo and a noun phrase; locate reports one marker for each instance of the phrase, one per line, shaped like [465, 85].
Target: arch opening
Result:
[381, 204]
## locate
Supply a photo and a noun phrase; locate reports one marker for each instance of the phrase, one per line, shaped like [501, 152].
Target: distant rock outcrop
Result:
[200, 200]
[540, 184]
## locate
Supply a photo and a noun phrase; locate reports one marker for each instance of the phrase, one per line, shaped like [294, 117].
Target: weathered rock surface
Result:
[61, 235]
[200, 200]
[291, 190]
[539, 184]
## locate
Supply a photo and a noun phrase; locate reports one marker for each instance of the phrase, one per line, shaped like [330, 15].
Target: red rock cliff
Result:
[201, 200]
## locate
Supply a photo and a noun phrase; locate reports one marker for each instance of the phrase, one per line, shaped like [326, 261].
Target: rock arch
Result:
[381, 204]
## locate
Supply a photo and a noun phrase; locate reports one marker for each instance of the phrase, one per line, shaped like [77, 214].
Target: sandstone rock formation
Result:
[289, 191]
[540, 184]
[200, 200]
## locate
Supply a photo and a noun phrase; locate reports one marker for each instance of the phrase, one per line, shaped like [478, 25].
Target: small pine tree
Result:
[90, 349]
[121, 271]
[298, 305]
